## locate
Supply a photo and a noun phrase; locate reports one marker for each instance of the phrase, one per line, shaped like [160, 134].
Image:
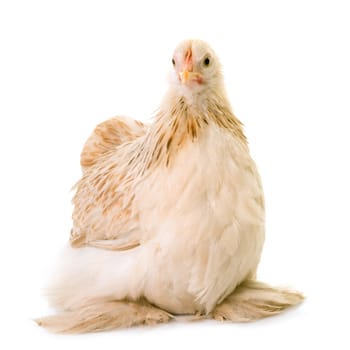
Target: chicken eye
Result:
[206, 62]
[173, 62]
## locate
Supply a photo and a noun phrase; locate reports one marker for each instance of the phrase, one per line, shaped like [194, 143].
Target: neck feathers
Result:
[179, 123]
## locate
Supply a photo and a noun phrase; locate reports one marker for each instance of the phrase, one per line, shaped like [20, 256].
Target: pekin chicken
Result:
[169, 217]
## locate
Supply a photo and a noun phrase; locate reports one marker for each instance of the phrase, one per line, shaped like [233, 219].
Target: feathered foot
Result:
[254, 300]
[104, 316]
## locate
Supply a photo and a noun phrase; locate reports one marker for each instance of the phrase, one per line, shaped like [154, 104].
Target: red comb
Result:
[188, 56]
[188, 59]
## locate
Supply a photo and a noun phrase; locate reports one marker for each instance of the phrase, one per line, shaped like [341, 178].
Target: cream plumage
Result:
[169, 217]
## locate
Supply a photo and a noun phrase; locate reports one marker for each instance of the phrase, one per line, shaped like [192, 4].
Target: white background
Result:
[66, 66]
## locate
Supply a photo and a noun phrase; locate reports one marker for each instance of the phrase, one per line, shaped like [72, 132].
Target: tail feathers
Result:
[254, 300]
[104, 316]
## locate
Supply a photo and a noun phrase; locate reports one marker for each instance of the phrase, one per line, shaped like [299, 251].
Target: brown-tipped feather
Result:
[254, 300]
[105, 316]
[107, 136]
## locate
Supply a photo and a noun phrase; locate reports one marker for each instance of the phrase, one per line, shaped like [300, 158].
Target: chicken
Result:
[168, 218]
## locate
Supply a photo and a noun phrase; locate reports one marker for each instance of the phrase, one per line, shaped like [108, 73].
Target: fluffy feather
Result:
[171, 213]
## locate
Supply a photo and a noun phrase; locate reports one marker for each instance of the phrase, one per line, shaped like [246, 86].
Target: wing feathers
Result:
[107, 136]
[102, 214]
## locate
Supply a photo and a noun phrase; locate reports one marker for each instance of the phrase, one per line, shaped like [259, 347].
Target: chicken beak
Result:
[184, 76]
[187, 77]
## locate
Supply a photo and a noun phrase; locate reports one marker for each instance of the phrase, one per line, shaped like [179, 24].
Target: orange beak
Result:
[184, 76]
